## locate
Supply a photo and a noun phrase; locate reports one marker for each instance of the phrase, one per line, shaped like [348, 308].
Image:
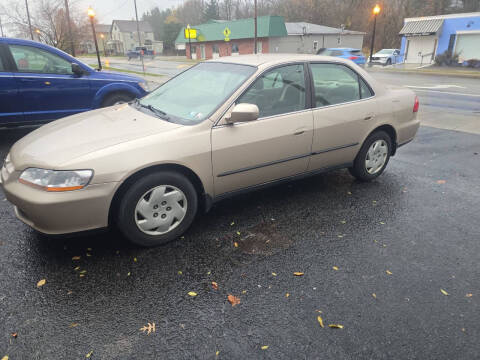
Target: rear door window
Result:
[34, 60]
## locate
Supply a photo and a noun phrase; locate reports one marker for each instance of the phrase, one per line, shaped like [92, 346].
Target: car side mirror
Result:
[77, 69]
[242, 112]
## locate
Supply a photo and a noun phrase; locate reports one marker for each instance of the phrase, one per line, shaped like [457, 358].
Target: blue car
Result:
[39, 83]
[354, 55]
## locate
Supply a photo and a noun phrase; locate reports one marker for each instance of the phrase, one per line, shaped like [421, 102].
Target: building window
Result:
[215, 49]
[315, 46]
[235, 49]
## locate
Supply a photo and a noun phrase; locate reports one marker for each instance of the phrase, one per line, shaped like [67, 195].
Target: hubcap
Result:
[160, 210]
[376, 156]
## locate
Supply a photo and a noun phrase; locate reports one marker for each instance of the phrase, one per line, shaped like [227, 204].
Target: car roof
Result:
[267, 60]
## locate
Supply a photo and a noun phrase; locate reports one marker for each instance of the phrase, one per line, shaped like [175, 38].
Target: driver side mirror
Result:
[242, 113]
[77, 69]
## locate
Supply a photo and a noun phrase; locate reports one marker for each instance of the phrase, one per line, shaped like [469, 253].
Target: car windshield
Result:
[386, 51]
[195, 94]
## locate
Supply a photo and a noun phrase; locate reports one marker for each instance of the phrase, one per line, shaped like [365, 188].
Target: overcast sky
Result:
[106, 10]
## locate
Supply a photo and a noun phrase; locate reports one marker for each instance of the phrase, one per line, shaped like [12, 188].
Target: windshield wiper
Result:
[159, 113]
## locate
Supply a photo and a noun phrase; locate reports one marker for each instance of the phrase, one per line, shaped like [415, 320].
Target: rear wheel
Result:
[373, 157]
[157, 208]
[115, 99]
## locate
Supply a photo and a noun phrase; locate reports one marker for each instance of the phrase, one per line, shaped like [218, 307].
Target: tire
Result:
[381, 156]
[148, 196]
[389, 62]
[118, 98]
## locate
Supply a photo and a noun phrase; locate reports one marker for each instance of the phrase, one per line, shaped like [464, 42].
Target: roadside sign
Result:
[226, 33]
[190, 33]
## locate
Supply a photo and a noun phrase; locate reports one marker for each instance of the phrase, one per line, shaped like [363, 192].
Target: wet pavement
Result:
[396, 244]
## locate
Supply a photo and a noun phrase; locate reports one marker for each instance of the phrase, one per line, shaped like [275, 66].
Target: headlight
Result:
[51, 180]
[143, 85]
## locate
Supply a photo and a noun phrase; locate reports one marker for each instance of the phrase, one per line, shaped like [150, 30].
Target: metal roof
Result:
[268, 26]
[304, 28]
[429, 26]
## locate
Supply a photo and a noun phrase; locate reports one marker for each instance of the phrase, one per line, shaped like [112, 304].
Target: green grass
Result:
[94, 66]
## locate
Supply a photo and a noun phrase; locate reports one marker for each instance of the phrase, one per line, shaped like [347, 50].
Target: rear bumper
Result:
[60, 213]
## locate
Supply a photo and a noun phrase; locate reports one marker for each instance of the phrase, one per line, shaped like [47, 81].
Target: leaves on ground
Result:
[192, 293]
[214, 285]
[264, 347]
[233, 300]
[149, 328]
[320, 321]
[335, 326]
[41, 283]
[75, 258]
[444, 292]
[298, 273]
[388, 272]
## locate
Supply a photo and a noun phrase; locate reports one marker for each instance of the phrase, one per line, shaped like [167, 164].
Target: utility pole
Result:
[1, 27]
[139, 37]
[255, 35]
[29, 22]
[69, 24]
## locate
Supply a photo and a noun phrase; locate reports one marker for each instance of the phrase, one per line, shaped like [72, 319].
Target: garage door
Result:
[467, 46]
[418, 45]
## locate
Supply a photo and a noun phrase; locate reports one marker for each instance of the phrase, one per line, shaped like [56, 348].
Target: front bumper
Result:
[59, 213]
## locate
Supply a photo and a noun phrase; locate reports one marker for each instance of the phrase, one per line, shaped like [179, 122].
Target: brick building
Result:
[211, 43]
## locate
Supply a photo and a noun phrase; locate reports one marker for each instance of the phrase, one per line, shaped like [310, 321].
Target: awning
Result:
[422, 27]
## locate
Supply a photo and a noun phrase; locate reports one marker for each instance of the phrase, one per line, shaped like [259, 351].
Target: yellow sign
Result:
[226, 33]
[190, 33]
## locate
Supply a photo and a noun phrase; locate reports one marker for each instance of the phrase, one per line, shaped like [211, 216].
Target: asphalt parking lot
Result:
[395, 262]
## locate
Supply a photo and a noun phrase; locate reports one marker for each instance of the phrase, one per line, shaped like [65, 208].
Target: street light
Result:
[376, 11]
[103, 43]
[91, 15]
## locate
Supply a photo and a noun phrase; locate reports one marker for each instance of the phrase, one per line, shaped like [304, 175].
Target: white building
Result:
[124, 36]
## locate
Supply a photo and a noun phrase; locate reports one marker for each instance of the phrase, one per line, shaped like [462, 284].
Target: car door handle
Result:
[299, 132]
[369, 117]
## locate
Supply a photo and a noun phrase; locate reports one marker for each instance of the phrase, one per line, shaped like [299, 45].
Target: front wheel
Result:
[373, 157]
[158, 208]
[115, 99]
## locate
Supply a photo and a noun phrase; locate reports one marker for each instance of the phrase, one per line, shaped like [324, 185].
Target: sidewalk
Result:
[427, 70]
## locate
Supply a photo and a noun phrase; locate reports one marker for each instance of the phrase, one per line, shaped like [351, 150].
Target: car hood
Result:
[112, 75]
[64, 140]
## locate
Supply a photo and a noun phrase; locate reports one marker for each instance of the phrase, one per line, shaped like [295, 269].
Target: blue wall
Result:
[450, 26]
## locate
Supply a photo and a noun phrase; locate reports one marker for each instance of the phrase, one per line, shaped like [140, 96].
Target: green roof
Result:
[267, 26]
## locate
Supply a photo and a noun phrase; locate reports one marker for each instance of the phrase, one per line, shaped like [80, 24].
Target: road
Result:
[395, 243]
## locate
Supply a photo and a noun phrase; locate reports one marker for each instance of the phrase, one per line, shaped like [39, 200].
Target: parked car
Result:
[39, 83]
[386, 57]
[354, 55]
[220, 128]
[140, 51]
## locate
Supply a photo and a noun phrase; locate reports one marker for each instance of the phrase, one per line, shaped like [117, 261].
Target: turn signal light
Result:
[416, 105]
[353, 57]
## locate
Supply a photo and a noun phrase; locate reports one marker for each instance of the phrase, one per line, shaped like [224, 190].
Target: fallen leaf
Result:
[192, 293]
[72, 325]
[441, 181]
[77, 268]
[287, 295]
[134, 259]
[89, 249]
[274, 274]
[238, 233]
[5, 357]
[335, 268]
[319, 311]
[41, 283]
[76, 258]
[244, 291]
[69, 292]
[148, 329]
[232, 223]
[14, 335]
[81, 275]
[214, 285]
[88, 255]
[382, 223]
[343, 222]
[264, 347]
[233, 300]
[336, 326]
[217, 353]
[349, 192]
[388, 272]
[83, 272]
[235, 244]
[340, 236]
[208, 273]
[444, 292]
[180, 272]
[89, 354]
[374, 295]
[469, 295]
[298, 273]
[463, 329]
[129, 273]
[320, 321]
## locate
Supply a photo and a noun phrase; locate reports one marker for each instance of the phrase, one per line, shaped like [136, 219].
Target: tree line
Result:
[351, 14]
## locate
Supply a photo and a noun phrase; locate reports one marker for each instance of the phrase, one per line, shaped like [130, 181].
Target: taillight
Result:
[416, 105]
[353, 57]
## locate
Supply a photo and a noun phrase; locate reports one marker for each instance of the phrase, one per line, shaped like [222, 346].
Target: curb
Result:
[426, 72]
